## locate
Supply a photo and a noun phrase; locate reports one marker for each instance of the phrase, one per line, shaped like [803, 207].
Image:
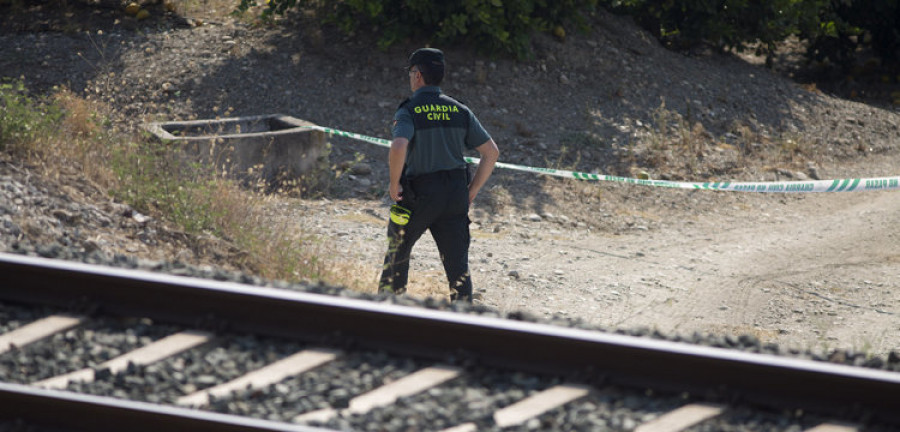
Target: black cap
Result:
[427, 55]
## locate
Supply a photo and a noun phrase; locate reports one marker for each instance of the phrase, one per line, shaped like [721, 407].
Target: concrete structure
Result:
[269, 148]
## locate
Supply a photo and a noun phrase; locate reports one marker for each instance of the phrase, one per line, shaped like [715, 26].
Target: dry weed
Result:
[67, 134]
[84, 139]
[279, 252]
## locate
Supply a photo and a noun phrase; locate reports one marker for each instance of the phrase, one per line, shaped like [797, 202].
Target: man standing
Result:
[428, 176]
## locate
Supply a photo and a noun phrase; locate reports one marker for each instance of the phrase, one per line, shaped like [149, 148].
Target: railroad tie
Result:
[465, 427]
[271, 374]
[163, 348]
[538, 404]
[682, 418]
[37, 330]
[834, 427]
[530, 407]
[409, 385]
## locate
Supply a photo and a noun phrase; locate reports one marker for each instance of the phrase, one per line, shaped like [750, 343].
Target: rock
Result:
[813, 171]
[102, 374]
[7, 225]
[361, 168]
[49, 251]
[65, 216]
[140, 218]
[894, 358]
[32, 228]
[132, 9]
[90, 246]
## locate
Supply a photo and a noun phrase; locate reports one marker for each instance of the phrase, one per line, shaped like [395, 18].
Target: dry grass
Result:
[273, 250]
[83, 141]
[64, 134]
[679, 146]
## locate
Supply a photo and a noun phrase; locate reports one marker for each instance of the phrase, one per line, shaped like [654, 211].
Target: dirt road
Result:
[821, 275]
[808, 271]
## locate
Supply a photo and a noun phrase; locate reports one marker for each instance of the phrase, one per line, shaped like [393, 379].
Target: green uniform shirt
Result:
[439, 130]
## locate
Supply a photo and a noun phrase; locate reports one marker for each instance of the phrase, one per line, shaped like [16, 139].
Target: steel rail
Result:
[769, 380]
[80, 412]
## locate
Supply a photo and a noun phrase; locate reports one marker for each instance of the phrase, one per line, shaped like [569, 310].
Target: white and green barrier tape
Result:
[836, 185]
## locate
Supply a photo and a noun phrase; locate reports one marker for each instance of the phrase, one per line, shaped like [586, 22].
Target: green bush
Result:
[503, 26]
[726, 24]
[154, 179]
[22, 118]
[838, 29]
[835, 29]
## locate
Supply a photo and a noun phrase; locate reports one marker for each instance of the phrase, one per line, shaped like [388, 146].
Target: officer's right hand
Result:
[396, 192]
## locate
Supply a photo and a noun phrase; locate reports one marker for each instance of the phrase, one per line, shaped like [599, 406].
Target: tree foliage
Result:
[838, 29]
[835, 29]
[503, 26]
[723, 23]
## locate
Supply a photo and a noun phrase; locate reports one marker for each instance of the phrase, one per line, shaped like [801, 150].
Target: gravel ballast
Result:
[472, 397]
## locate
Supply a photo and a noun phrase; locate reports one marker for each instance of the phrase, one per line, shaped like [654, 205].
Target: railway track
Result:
[105, 348]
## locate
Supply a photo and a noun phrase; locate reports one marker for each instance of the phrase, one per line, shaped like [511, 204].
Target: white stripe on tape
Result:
[837, 185]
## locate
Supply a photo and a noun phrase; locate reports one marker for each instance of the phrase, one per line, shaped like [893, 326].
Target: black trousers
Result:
[441, 205]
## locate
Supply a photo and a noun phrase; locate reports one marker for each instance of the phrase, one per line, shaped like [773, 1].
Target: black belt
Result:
[454, 174]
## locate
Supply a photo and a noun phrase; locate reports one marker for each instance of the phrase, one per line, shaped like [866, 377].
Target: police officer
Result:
[429, 179]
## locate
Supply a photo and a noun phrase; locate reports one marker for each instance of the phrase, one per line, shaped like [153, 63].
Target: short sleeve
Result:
[476, 135]
[402, 125]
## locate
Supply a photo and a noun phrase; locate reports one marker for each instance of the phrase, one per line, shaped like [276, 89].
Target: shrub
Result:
[23, 120]
[495, 26]
[726, 24]
[835, 29]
